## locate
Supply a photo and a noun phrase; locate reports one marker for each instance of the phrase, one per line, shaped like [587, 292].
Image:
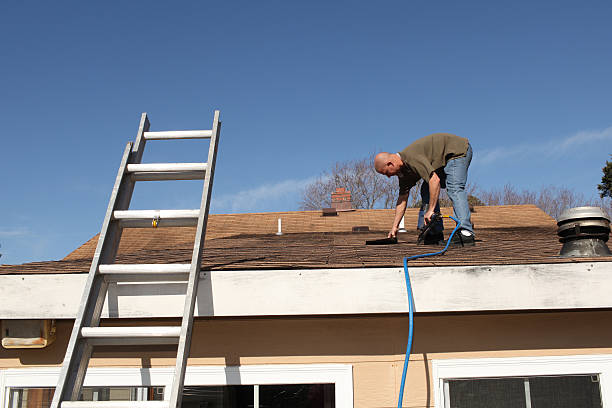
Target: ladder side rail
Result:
[108, 252]
[78, 351]
[194, 273]
[139, 143]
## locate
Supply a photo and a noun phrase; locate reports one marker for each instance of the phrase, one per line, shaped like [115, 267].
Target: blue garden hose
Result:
[411, 306]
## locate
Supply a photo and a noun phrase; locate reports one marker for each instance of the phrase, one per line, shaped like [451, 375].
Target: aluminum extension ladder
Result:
[87, 333]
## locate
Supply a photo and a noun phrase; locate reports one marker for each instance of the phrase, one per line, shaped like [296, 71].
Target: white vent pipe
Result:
[280, 227]
[401, 226]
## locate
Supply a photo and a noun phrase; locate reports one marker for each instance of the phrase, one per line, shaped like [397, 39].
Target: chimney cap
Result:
[582, 212]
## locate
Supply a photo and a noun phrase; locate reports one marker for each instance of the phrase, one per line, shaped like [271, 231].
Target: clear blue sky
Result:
[300, 85]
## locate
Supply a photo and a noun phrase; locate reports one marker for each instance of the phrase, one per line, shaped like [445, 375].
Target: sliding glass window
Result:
[564, 391]
[260, 396]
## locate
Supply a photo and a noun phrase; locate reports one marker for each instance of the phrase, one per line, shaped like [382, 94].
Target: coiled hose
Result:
[411, 306]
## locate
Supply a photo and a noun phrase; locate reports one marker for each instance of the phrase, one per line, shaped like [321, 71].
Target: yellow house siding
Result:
[374, 345]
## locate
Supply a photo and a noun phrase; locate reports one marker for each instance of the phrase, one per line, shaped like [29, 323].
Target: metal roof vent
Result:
[584, 232]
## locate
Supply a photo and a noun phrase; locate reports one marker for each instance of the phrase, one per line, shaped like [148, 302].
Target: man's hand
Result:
[427, 216]
[392, 233]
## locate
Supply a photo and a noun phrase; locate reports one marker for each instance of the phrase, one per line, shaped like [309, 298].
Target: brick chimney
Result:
[341, 199]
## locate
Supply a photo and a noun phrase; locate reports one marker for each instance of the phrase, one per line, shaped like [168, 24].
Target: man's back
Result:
[431, 152]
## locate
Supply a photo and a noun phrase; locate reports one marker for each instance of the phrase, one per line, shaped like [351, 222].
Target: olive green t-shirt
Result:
[427, 155]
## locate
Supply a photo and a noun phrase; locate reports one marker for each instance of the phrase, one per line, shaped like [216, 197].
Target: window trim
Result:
[523, 366]
[341, 375]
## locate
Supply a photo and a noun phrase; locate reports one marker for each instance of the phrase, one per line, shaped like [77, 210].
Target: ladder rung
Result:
[132, 335]
[167, 171]
[144, 272]
[165, 218]
[166, 167]
[178, 134]
[115, 404]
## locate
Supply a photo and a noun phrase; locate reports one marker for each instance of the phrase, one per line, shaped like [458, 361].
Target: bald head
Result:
[387, 163]
[380, 160]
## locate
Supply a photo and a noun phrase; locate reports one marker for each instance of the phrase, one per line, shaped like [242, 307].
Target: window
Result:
[218, 396]
[567, 391]
[263, 386]
[38, 397]
[296, 396]
[232, 396]
[260, 396]
[583, 381]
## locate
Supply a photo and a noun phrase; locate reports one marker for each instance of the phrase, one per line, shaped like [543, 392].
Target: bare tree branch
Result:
[552, 200]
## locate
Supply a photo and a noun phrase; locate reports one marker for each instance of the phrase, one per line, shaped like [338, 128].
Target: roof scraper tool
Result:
[384, 241]
[425, 229]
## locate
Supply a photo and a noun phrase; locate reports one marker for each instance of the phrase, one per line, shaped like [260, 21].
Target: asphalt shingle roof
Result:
[506, 235]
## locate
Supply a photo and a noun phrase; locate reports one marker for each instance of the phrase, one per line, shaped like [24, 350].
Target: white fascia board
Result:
[585, 285]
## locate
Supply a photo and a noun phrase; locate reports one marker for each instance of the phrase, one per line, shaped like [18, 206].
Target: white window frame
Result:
[341, 375]
[523, 366]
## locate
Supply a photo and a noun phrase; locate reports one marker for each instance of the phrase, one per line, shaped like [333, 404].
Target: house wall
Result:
[374, 345]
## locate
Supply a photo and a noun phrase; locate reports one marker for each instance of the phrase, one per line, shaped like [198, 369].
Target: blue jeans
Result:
[453, 178]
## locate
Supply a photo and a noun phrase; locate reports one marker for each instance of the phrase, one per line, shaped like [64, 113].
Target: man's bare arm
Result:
[434, 193]
[400, 208]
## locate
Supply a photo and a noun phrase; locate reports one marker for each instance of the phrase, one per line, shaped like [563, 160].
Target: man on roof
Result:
[442, 161]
